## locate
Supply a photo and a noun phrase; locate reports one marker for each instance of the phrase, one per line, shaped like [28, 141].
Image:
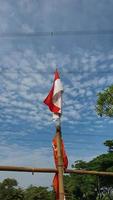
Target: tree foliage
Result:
[37, 193]
[109, 144]
[104, 104]
[9, 190]
[88, 187]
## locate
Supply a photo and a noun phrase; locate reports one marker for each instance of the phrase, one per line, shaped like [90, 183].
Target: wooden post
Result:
[60, 164]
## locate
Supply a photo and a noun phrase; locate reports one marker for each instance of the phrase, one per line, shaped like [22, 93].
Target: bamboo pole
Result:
[27, 169]
[98, 173]
[51, 170]
[60, 164]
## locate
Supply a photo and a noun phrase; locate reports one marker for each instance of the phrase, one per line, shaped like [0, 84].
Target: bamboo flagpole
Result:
[54, 102]
[60, 167]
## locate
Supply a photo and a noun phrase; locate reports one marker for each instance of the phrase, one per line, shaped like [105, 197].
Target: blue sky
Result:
[27, 65]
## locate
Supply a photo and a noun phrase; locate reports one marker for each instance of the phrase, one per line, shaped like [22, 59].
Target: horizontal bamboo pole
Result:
[70, 171]
[51, 170]
[27, 169]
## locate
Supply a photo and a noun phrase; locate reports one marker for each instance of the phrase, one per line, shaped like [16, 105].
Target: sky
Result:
[27, 64]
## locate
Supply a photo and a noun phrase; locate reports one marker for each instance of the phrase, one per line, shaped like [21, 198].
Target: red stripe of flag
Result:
[49, 99]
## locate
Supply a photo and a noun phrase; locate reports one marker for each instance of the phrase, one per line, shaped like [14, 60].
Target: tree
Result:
[9, 190]
[37, 193]
[104, 104]
[87, 187]
[109, 144]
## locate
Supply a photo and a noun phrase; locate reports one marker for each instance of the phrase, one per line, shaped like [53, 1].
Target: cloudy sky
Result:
[27, 64]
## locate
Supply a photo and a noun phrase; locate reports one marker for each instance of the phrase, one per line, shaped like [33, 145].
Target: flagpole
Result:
[60, 163]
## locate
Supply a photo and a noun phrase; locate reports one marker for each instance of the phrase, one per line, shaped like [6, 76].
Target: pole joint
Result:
[58, 128]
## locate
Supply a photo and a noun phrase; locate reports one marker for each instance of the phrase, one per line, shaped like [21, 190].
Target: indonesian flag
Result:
[65, 163]
[55, 152]
[54, 98]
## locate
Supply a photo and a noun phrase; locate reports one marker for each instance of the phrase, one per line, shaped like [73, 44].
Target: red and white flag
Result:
[54, 98]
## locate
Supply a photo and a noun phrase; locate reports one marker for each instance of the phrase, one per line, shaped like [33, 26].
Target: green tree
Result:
[104, 105]
[80, 186]
[37, 193]
[9, 190]
[88, 187]
[109, 144]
